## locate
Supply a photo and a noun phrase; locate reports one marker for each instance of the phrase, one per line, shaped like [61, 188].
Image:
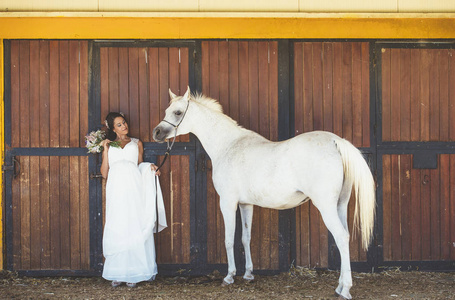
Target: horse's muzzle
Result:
[160, 134]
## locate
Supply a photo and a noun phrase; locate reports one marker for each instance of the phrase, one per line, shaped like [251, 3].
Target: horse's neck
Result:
[215, 131]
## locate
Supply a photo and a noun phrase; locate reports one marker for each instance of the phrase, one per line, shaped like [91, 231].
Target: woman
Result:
[128, 244]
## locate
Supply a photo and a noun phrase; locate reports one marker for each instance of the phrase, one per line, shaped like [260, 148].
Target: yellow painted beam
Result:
[226, 26]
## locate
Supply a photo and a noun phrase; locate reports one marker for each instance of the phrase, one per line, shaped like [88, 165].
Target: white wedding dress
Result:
[128, 243]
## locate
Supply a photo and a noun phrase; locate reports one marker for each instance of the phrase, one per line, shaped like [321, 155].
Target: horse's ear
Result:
[187, 94]
[173, 96]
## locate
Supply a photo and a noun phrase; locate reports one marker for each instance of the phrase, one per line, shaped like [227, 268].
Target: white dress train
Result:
[128, 243]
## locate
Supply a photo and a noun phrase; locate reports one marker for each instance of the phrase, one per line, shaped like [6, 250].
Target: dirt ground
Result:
[298, 283]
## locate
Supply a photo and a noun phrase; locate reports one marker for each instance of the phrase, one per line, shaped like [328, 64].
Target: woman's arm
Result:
[141, 152]
[105, 163]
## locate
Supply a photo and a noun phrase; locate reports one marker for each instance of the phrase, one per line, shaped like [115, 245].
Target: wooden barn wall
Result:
[331, 92]
[418, 97]
[49, 99]
[419, 205]
[243, 75]
[136, 81]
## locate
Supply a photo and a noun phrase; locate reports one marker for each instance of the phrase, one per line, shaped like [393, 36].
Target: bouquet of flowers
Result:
[93, 141]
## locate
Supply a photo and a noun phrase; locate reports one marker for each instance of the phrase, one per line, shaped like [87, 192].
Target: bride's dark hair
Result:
[109, 122]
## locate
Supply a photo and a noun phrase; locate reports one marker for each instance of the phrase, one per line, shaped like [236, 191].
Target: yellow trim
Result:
[225, 25]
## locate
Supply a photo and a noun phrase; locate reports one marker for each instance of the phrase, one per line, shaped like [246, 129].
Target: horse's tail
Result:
[357, 172]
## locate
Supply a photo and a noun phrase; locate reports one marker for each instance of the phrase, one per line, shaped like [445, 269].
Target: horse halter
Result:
[169, 148]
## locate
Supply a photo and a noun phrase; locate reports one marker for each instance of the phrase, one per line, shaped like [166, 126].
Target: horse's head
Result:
[173, 123]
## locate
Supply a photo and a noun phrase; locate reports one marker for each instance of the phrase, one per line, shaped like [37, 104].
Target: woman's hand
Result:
[155, 168]
[105, 144]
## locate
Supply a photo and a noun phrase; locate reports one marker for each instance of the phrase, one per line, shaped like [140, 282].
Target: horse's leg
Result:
[228, 209]
[341, 236]
[246, 211]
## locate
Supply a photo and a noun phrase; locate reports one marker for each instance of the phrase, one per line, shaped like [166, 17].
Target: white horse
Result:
[251, 170]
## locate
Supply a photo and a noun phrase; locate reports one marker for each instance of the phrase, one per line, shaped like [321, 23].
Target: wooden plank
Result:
[234, 80]
[405, 95]
[298, 240]
[165, 237]
[133, 85]
[35, 243]
[347, 90]
[163, 61]
[415, 95]
[176, 210]
[395, 95]
[355, 234]
[24, 96]
[154, 88]
[144, 122]
[357, 134]
[443, 75]
[405, 194]
[386, 94]
[211, 219]
[435, 217]
[205, 67]
[174, 73]
[452, 204]
[104, 83]
[387, 206]
[34, 94]
[396, 208]
[44, 103]
[74, 113]
[213, 70]
[84, 213]
[444, 175]
[25, 213]
[83, 94]
[263, 87]
[327, 86]
[434, 95]
[273, 92]
[44, 192]
[451, 95]
[243, 84]
[184, 79]
[54, 208]
[307, 113]
[425, 197]
[425, 95]
[15, 93]
[365, 49]
[223, 76]
[114, 79]
[314, 237]
[416, 230]
[65, 246]
[253, 87]
[64, 94]
[185, 206]
[305, 234]
[74, 213]
[298, 88]
[123, 81]
[318, 116]
[338, 88]
[16, 216]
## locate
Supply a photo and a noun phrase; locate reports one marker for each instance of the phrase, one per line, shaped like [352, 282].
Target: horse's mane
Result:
[210, 103]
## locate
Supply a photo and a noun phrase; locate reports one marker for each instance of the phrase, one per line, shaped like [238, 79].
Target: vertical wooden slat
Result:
[84, 213]
[298, 87]
[305, 234]
[435, 218]
[337, 88]
[24, 81]
[387, 206]
[451, 95]
[405, 95]
[15, 93]
[425, 95]
[327, 86]
[114, 79]
[65, 242]
[34, 94]
[164, 237]
[434, 96]
[123, 79]
[415, 95]
[144, 129]
[74, 210]
[104, 83]
[314, 236]
[307, 113]
[425, 213]
[176, 214]
[357, 95]
[405, 193]
[163, 60]
[133, 85]
[44, 189]
[444, 175]
[73, 113]
[354, 240]
[83, 93]
[234, 80]
[54, 207]
[253, 87]
[153, 88]
[185, 206]
[318, 120]
[347, 91]
[16, 215]
[386, 94]
[443, 76]
[395, 95]
[243, 84]
[452, 204]
[25, 213]
[416, 231]
[273, 91]
[44, 94]
[64, 95]
[35, 243]
[365, 94]
[223, 76]
[184, 80]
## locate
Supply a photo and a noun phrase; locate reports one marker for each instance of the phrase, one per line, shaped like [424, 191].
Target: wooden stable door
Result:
[47, 197]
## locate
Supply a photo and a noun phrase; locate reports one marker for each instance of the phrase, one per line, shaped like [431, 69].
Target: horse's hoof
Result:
[340, 297]
[225, 283]
[248, 278]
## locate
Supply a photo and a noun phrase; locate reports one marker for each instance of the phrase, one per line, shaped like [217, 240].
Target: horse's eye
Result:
[178, 113]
